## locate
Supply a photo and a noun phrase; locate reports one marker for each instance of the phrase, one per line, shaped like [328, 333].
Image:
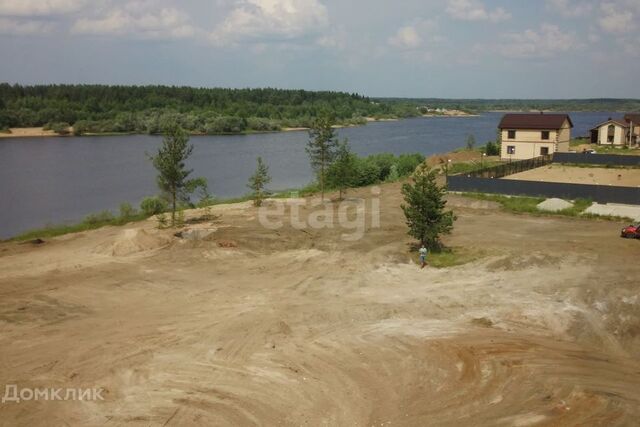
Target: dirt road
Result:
[249, 326]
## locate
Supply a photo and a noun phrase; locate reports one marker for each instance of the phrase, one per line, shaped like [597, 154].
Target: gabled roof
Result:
[632, 117]
[612, 121]
[534, 121]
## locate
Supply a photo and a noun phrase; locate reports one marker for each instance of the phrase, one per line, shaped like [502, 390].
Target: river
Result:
[61, 180]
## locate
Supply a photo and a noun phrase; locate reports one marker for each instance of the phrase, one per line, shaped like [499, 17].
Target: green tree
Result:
[322, 148]
[172, 172]
[492, 149]
[425, 209]
[258, 181]
[342, 172]
[471, 142]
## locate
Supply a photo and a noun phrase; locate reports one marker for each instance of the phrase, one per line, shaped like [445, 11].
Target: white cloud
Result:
[40, 7]
[546, 42]
[475, 10]
[139, 19]
[268, 20]
[406, 38]
[24, 27]
[616, 18]
[569, 8]
[415, 35]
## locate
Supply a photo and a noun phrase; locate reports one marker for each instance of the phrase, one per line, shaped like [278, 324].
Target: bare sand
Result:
[27, 132]
[249, 326]
[628, 177]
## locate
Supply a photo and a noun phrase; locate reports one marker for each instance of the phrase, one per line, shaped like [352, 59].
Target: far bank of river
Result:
[61, 180]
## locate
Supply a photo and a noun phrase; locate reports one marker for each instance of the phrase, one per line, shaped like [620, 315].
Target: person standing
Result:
[423, 256]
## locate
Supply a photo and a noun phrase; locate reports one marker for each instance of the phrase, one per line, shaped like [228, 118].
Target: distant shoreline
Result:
[39, 132]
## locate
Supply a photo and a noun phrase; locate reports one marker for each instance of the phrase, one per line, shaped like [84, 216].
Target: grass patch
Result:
[468, 167]
[91, 222]
[613, 150]
[529, 205]
[510, 203]
[575, 142]
[452, 257]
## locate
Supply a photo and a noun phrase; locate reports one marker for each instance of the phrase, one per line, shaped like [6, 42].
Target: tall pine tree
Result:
[341, 173]
[172, 172]
[425, 209]
[322, 148]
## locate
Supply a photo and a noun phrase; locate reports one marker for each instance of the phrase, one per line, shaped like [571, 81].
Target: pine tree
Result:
[425, 209]
[321, 148]
[258, 180]
[341, 173]
[172, 173]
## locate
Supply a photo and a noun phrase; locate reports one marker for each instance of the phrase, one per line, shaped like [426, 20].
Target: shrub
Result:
[61, 128]
[98, 218]
[492, 149]
[383, 162]
[127, 211]
[367, 172]
[153, 206]
[407, 163]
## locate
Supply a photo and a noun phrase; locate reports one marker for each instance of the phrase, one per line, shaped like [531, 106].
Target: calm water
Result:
[57, 180]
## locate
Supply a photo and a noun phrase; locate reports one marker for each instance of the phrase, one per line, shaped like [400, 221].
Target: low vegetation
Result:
[453, 256]
[529, 205]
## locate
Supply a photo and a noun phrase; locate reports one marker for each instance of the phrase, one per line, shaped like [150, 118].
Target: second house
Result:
[525, 136]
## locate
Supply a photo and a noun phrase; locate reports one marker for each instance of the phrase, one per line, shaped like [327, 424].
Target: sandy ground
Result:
[578, 175]
[27, 132]
[250, 326]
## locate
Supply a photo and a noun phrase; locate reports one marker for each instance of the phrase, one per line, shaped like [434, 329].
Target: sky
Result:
[379, 48]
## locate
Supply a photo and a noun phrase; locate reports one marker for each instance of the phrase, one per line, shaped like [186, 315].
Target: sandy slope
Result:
[301, 328]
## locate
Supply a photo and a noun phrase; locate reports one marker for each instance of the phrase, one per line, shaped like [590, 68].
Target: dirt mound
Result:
[132, 241]
[554, 205]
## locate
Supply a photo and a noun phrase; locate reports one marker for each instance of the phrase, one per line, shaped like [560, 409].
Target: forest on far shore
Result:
[145, 109]
[104, 109]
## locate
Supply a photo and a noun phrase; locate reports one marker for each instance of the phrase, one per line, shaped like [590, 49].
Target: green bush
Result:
[384, 162]
[381, 167]
[98, 218]
[153, 206]
[407, 163]
[127, 211]
[61, 128]
[492, 149]
[367, 172]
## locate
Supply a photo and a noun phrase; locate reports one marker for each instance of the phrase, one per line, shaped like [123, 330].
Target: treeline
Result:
[145, 109]
[480, 105]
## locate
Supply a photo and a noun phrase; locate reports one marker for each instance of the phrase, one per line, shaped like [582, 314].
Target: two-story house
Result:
[525, 136]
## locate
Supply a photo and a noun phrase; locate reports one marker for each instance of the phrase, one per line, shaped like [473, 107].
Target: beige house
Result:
[618, 133]
[611, 132]
[525, 136]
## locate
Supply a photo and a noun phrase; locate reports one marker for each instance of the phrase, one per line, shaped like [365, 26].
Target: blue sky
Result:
[409, 48]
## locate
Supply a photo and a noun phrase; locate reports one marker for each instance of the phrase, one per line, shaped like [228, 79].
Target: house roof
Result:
[632, 117]
[612, 121]
[534, 121]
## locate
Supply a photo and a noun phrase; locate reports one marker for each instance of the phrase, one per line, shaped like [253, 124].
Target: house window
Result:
[544, 151]
[545, 135]
[511, 134]
[611, 132]
[511, 149]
